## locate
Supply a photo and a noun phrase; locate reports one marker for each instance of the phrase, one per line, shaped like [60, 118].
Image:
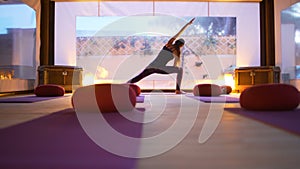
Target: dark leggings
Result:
[161, 70]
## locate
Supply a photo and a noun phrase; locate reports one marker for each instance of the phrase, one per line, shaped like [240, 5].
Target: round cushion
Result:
[135, 87]
[49, 90]
[226, 89]
[115, 97]
[270, 97]
[109, 97]
[207, 90]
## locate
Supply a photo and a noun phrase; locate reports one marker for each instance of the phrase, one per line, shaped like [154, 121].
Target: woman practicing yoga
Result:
[159, 64]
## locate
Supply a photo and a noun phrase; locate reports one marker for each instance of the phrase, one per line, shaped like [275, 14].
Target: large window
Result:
[290, 40]
[17, 43]
[108, 41]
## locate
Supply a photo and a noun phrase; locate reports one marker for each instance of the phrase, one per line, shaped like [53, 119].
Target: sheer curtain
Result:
[246, 14]
[36, 5]
[20, 41]
[248, 34]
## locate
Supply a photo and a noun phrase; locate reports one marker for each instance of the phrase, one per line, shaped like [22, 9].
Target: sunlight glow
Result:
[229, 80]
[88, 79]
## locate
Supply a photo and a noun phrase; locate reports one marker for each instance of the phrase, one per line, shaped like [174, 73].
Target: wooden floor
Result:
[237, 142]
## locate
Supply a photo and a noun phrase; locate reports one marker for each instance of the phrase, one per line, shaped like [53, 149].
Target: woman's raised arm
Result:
[183, 28]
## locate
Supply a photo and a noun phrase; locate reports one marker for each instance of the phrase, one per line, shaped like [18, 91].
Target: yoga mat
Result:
[32, 99]
[140, 99]
[216, 99]
[26, 99]
[285, 120]
[58, 141]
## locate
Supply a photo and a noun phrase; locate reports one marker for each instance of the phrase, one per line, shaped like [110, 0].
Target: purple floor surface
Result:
[216, 99]
[140, 99]
[58, 141]
[26, 99]
[286, 120]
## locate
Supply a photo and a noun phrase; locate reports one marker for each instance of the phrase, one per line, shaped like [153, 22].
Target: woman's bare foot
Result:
[179, 92]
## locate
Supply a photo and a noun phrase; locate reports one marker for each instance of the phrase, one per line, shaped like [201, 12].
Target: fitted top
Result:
[167, 53]
[164, 56]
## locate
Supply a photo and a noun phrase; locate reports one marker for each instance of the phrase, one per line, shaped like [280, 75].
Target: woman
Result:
[159, 64]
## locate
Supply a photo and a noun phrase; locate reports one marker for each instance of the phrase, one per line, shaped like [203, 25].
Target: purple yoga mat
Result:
[216, 99]
[140, 99]
[32, 99]
[58, 141]
[286, 120]
[26, 99]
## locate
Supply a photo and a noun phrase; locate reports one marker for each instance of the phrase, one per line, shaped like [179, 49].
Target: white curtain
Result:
[36, 5]
[247, 14]
[247, 47]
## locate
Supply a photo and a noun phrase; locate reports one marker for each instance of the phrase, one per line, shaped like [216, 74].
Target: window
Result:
[17, 38]
[244, 47]
[290, 41]
[17, 43]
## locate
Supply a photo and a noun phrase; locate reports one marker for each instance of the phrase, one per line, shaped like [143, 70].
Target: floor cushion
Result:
[226, 89]
[135, 87]
[108, 97]
[49, 90]
[207, 90]
[270, 97]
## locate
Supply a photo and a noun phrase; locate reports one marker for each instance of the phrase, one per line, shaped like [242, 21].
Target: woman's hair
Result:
[179, 42]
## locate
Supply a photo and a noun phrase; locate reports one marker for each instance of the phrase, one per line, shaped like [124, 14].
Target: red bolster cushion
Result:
[49, 90]
[108, 97]
[207, 90]
[226, 89]
[135, 88]
[115, 97]
[270, 97]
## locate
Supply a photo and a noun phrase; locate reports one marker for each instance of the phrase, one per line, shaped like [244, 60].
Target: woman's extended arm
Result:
[170, 42]
[183, 28]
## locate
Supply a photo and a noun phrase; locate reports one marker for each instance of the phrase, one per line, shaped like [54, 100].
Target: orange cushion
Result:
[207, 90]
[115, 97]
[270, 97]
[109, 97]
[135, 87]
[226, 89]
[49, 90]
